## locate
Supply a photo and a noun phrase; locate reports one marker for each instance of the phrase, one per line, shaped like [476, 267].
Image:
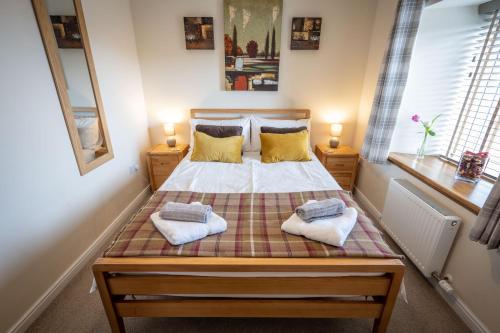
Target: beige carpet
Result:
[74, 310]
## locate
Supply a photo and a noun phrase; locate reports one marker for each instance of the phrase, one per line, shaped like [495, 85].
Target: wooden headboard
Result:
[220, 114]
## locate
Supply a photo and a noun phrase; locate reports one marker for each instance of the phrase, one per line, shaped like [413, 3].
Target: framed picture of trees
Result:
[252, 40]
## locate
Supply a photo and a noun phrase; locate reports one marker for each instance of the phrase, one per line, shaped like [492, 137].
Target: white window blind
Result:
[477, 127]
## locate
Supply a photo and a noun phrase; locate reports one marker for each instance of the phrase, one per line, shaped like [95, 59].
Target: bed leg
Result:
[115, 321]
[381, 323]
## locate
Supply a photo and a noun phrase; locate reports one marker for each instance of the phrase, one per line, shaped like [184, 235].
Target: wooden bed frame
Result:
[119, 277]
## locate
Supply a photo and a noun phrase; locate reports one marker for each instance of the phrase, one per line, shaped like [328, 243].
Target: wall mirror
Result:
[64, 35]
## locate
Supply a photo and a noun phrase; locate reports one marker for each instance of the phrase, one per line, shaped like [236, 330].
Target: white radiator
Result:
[424, 230]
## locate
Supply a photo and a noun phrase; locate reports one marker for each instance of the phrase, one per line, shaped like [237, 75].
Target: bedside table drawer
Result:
[340, 164]
[344, 179]
[162, 165]
[163, 171]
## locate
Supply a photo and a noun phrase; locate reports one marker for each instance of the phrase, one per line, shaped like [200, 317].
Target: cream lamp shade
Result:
[335, 132]
[169, 129]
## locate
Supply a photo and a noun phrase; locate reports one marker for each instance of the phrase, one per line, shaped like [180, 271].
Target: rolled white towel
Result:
[333, 231]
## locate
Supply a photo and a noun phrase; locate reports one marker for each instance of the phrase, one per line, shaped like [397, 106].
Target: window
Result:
[478, 124]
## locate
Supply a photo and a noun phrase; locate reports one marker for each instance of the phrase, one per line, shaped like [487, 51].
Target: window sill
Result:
[440, 175]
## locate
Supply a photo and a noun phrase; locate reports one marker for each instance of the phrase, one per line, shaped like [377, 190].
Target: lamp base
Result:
[171, 142]
[334, 142]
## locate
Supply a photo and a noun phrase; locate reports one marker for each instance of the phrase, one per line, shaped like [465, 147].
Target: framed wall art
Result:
[199, 33]
[252, 41]
[306, 32]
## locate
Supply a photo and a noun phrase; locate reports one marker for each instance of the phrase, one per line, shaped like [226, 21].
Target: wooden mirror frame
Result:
[51, 49]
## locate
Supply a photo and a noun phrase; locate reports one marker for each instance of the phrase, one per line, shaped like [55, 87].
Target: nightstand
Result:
[341, 162]
[162, 160]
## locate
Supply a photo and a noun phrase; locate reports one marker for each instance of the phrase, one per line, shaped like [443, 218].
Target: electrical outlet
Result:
[133, 169]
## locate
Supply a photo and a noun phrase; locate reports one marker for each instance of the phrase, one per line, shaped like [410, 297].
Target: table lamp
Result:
[335, 133]
[169, 129]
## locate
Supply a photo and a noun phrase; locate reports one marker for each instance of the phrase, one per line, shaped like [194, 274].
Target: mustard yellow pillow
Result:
[210, 149]
[285, 147]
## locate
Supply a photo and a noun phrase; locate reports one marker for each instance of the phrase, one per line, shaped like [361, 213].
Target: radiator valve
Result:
[444, 283]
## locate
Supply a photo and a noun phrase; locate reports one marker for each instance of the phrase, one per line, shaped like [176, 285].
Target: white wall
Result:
[49, 214]
[475, 271]
[381, 29]
[326, 81]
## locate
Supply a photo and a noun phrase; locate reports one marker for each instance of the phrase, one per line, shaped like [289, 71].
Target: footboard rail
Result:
[115, 282]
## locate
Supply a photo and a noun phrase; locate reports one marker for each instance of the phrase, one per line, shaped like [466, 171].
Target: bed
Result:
[253, 269]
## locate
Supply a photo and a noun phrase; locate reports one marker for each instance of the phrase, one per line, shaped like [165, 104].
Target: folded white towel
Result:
[333, 231]
[178, 233]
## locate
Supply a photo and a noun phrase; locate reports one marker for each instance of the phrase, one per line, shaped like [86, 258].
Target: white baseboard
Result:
[366, 204]
[455, 302]
[463, 311]
[43, 302]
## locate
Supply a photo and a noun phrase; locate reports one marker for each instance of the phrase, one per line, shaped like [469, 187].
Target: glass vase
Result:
[421, 149]
[471, 166]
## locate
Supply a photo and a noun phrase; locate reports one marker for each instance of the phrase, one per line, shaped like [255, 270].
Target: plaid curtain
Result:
[487, 228]
[392, 82]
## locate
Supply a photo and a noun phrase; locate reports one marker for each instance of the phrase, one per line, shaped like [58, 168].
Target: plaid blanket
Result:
[254, 221]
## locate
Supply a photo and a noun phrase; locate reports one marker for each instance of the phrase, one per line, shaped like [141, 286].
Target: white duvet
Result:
[251, 176]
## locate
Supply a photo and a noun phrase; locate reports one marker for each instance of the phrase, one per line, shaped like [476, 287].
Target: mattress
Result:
[255, 198]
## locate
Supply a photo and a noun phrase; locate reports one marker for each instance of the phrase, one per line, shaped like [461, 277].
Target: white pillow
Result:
[258, 122]
[88, 130]
[243, 122]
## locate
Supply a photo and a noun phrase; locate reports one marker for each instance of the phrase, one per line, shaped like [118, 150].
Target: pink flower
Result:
[415, 118]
